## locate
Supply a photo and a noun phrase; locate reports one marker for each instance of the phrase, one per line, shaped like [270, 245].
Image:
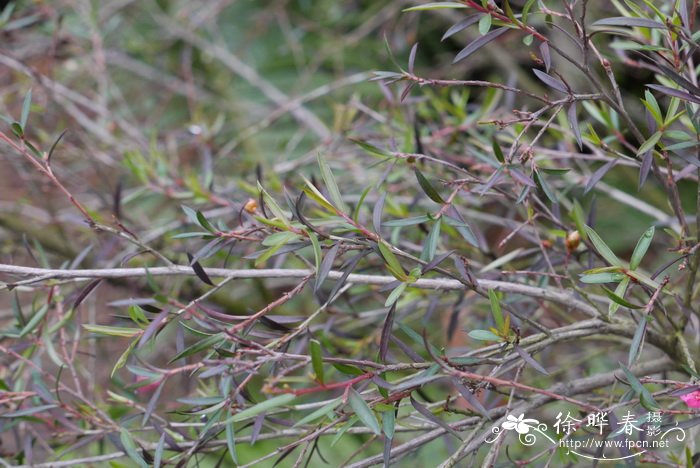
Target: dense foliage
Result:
[348, 232]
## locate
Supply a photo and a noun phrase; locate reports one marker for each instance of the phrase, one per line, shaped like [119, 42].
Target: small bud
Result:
[251, 206]
[573, 239]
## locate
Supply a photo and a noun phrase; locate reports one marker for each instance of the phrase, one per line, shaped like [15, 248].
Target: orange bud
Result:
[251, 206]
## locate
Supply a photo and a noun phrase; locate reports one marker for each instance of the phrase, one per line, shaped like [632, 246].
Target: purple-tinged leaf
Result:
[685, 390]
[27, 411]
[386, 333]
[199, 271]
[347, 268]
[644, 169]
[677, 78]
[273, 325]
[551, 81]
[478, 43]
[435, 262]
[597, 175]
[381, 383]
[153, 402]
[546, 56]
[464, 270]
[386, 451]
[573, 122]
[461, 26]
[406, 91]
[377, 213]
[530, 360]
[492, 181]
[86, 292]
[152, 328]
[675, 93]
[326, 266]
[637, 341]
[520, 177]
[407, 350]
[683, 12]
[412, 58]
[470, 398]
[257, 427]
[431, 417]
[207, 250]
[626, 21]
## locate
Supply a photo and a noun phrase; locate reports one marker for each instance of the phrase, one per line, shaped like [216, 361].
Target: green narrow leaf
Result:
[484, 335]
[598, 278]
[395, 294]
[641, 248]
[618, 295]
[496, 309]
[325, 410]
[363, 412]
[637, 342]
[485, 24]
[231, 440]
[317, 360]
[123, 358]
[331, 184]
[431, 242]
[317, 249]
[428, 187]
[25, 109]
[649, 143]
[639, 389]
[262, 407]
[210, 342]
[603, 248]
[122, 332]
[204, 222]
[391, 261]
[34, 321]
[542, 183]
[497, 151]
[579, 219]
[131, 448]
[273, 206]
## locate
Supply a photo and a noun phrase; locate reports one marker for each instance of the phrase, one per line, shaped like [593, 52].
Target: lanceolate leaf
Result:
[317, 359]
[641, 248]
[637, 342]
[602, 248]
[428, 187]
[461, 26]
[530, 360]
[386, 333]
[478, 44]
[599, 174]
[435, 6]
[617, 298]
[551, 81]
[626, 21]
[650, 143]
[573, 122]
[431, 417]
[676, 93]
[363, 412]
